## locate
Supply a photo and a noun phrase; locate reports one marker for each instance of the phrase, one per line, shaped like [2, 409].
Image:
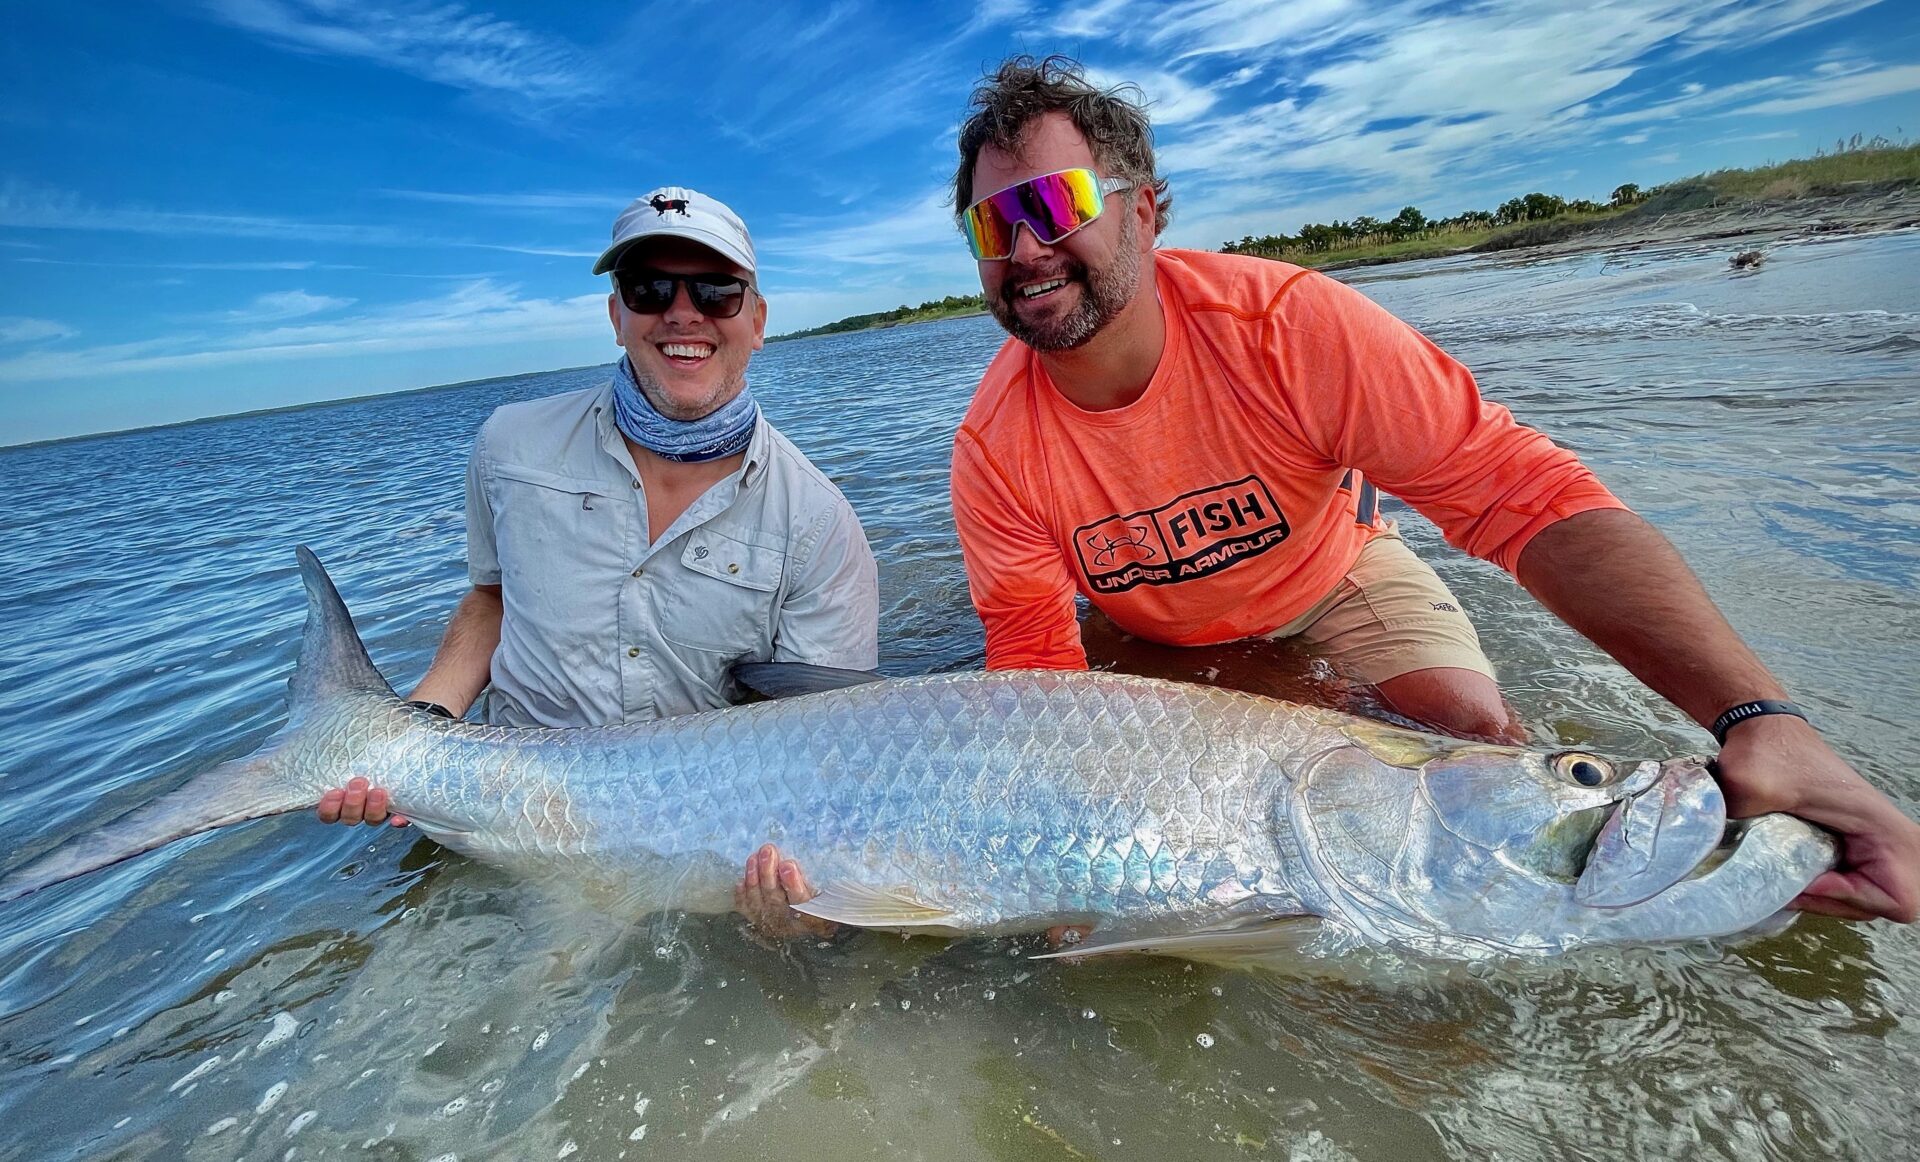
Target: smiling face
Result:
[1057, 297]
[686, 364]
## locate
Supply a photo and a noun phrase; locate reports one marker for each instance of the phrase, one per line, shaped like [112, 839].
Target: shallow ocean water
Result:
[285, 990]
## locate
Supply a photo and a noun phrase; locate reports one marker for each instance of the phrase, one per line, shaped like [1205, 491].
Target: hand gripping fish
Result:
[1174, 819]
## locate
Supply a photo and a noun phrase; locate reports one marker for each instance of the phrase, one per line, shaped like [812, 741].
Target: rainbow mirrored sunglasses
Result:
[1052, 205]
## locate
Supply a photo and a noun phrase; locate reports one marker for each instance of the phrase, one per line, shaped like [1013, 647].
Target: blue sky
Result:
[238, 204]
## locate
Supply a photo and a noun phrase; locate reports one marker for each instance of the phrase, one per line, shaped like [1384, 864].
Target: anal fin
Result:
[864, 906]
[1270, 942]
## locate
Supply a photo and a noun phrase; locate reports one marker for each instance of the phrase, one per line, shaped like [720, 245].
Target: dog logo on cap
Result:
[662, 204]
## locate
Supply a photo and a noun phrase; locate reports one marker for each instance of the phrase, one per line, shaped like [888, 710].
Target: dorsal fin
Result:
[792, 679]
[333, 661]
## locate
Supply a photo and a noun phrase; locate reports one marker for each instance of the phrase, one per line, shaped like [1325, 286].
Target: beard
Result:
[732, 381]
[1105, 292]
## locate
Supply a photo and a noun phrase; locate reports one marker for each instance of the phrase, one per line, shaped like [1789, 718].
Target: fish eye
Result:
[1583, 769]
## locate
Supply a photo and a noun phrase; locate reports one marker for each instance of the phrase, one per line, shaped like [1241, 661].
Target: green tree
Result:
[1626, 195]
[1408, 222]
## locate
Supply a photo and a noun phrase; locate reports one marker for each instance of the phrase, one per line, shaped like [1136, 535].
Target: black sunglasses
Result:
[651, 292]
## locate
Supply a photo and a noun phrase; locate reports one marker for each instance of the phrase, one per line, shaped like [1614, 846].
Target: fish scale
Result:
[1173, 818]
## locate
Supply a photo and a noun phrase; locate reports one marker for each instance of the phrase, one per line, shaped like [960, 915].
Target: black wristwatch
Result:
[431, 708]
[1735, 715]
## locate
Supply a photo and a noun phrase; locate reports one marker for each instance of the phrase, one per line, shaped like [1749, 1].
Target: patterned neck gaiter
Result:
[724, 432]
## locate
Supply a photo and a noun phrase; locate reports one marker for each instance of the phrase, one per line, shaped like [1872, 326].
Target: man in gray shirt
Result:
[629, 543]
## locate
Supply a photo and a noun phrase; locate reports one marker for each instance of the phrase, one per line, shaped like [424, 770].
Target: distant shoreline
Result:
[1870, 208]
[1861, 186]
[879, 324]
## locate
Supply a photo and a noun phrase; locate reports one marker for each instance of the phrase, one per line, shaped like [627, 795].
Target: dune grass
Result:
[1852, 164]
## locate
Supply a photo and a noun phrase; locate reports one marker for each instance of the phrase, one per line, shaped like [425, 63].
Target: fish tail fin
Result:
[229, 793]
[333, 666]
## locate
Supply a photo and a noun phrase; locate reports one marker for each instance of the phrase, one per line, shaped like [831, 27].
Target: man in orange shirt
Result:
[1191, 441]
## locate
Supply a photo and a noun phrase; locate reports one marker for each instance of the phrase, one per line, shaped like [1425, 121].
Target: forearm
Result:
[1616, 580]
[463, 665]
[1612, 576]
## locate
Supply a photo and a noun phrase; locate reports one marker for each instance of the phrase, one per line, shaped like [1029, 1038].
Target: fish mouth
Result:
[1665, 830]
[1744, 882]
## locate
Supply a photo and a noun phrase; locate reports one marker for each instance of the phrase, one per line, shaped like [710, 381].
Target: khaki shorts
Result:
[1390, 615]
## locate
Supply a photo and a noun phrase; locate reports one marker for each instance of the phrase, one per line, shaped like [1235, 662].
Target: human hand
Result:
[1063, 935]
[1779, 763]
[766, 895]
[357, 803]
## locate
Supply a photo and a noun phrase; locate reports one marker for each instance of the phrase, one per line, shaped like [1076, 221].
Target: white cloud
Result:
[1851, 89]
[901, 238]
[1742, 23]
[42, 208]
[1264, 28]
[1171, 98]
[15, 329]
[443, 43]
[521, 201]
[1411, 96]
[281, 305]
[987, 13]
[474, 315]
[244, 266]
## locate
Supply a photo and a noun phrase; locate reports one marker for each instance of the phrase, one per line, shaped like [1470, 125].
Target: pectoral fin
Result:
[1269, 943]
[862, 906]
[793, 679]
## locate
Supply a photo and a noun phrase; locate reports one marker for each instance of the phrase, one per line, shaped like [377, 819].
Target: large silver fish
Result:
[1173, 818]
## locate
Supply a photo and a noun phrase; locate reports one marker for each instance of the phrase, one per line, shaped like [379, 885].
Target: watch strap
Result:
[1733, 716]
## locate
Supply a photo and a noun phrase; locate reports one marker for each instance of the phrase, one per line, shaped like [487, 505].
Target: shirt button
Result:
[635, 483]
[633, 651]
[637, 572]
[733, 568]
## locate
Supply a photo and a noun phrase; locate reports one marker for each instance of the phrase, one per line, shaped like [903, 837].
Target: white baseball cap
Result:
[678, 212]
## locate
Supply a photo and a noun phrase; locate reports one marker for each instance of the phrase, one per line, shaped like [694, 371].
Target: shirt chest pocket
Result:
[722, 595]
[556, 536]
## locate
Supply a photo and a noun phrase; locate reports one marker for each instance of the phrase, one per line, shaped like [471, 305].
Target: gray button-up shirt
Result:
[604, 623]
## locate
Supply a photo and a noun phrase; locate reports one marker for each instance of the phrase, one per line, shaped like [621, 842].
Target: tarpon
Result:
[1171, 818]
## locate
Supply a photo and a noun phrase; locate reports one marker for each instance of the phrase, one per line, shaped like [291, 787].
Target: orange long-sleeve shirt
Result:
[1230, 497]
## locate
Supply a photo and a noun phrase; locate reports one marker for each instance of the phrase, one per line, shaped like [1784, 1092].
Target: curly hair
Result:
[1113, 121]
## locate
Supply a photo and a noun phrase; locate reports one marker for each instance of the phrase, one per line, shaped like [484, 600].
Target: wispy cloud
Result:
[14, 329]
[517, 201]
[43, 208]
[447, 44]
[1171, 98]
[40, 208]
[477, 314]
[1826, 92]
[993, 13]
[914, 228]
[232, 266]
[1395, 100]
[278, 306]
